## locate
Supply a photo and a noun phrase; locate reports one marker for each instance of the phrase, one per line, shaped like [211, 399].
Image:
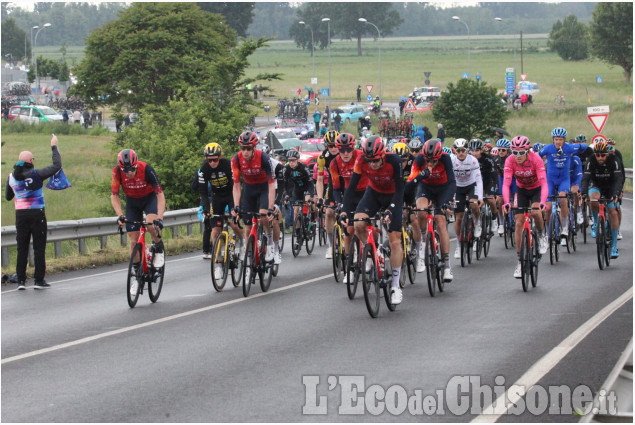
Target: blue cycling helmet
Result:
[537, 147]
[503, 143]
[559, 132]
[447, 150]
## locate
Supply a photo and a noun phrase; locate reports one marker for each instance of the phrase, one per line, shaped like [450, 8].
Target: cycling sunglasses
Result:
[246, 148]
[502, 150]
[211, 160]
[346, 150]
[128, 169]
[331, 146]
[460, 150]
[374, 161]
[519, 153]
[292, 159]
[601, 155]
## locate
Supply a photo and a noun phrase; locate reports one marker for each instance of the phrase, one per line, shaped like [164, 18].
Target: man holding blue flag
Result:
[25, 185]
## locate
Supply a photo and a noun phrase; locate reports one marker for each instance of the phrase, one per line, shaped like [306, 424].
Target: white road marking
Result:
[543, 366]
[157, 321]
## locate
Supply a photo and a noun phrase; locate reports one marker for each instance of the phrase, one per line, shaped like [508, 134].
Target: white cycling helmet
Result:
[460, 143]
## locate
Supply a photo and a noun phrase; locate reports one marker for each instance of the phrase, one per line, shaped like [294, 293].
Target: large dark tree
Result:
[13, 41]
[237, 15]
[569, 39]
[612, 35]
[381, 15]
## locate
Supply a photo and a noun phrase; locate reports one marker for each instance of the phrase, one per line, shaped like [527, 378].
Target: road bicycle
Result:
[321, 230]
[554, 229]
[375, 266]
[224, 255]
[529, 251]
[432, 253]
[303, 229]
[509, 228]
[466, 235]
[409, 247]
[570, 240]
[339, 256]
[254, 264]
[603, 240]
[585, 222]
[483, 243]
[145, 272]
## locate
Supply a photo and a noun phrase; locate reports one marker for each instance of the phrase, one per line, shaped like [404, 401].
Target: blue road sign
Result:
[324, 92]
[598, 79]
[307, 101]
[466, 75]
[369, 97]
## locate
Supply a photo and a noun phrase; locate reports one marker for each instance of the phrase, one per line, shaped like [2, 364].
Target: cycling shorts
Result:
[438, 195]
[526, 197]
[372, 201]
[255, 197]
[135, 208]
[512, 187]
[462, 194]
[298, 193]
[563, 183]
[356, 197]
[604, 193]
[220, 204]
[329, 199]
[409, 195]
[577, 181]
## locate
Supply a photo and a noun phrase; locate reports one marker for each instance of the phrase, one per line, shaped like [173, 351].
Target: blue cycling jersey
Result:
[575, 171]
[558, 164]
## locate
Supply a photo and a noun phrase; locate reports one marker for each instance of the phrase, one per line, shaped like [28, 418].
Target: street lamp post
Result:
[379, 47]
[456, 18]
[31, 56]
[46, 25]
[312, 45]
[328, 29]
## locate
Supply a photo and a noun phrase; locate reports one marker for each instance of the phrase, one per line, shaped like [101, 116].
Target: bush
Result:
[57, 127]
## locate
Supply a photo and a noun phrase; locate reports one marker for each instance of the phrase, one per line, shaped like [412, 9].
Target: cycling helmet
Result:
[610, 142]
[367, 117]
[266, 149]
[487, 141]
[293, 154]
[432, 150]
[401, 149]
[373, 147]
[212, 149]
[494, 151]
[248, 139]
[460, 143]
[476, 144]
[521, 143]
[601, 147]
[559, 132]
[415, 144]
[610, 148]
[488, 145]
[330, 137]
[503, 143]
[581, 138]
[447, 150]
[345, 140]
[127, 159]
[538, 146]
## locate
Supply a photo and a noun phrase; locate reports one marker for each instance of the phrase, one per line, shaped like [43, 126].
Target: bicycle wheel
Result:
[296, 235]
[440, 282]
[470, 240]
[553, 238]
[236, 266]
[585, 223]
[155, 284]
[281, 241]
[600, 231]
[310, 236]
[353, 268]
[507, 232]
[535, 258]
[431, 265]
[608, 241]
[525, 261]
[219, 257]
[386, 278]
[249, 266]
[265, 270]
[573, 235]
[338, 250]
[410, 256]
[321, 230]
[370, 280]
[132, 274]
[557, 231]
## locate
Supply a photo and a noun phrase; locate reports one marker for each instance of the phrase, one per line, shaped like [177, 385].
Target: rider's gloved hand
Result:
[507, 207]
[121, 220]
[158, 223]
[424, 174]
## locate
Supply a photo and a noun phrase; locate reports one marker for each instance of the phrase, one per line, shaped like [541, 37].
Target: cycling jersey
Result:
[297, 179]
[620, 162]
[442, 173]
[253, 171]
[25, 183]
[407, 169]
[144, 182]
[558, 164]
[341, 173]
[468, 172]
[324, 161]
[607, 177]
[487, 173]
[220, 180]
[278, 172]
[529, 175]
[575, 172]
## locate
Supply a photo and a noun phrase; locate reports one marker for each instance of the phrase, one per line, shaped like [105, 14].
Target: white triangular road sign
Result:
[598, 121]
[369, 87]
[410, 106]
[523, 76]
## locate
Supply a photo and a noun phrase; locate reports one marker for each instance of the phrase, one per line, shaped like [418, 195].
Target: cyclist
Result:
[415, 145]
[143, 192]
[558, 164]
[433, 173]
[323, 167]
[384, 190]
[258, 188]
[409, 200]
[503, 146]
[488, 172]
[469, 184]
[587, 153]
[278, 171]
[575, 175]
[298, 182]
[217, 171]
[532, 191]
[342, 168]
[603, 178]
[618, 155]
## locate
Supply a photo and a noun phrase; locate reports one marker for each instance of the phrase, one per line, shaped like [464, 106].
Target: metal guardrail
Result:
[102, 227]
[629, 174]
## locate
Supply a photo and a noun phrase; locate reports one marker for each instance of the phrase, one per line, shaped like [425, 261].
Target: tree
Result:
[64, 73]
[612, 35]
[237, 15]
[13, 40]
[312, 13]
[469, 109]
[569, 39]
[347, 23]
[152, 53]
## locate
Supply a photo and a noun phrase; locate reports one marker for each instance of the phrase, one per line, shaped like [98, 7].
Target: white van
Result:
[527, 87]
[425, 93]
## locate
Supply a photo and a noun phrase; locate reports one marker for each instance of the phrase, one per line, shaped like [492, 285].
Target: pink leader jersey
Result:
[529, 175]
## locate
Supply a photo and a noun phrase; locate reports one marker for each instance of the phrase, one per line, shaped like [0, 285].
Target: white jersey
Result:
[274, 163]
[468, 172]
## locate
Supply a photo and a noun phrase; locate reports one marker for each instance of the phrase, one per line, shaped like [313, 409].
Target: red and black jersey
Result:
[341, 173]
[440, 174]
[253, 171]
[388, 179]
[144, 182]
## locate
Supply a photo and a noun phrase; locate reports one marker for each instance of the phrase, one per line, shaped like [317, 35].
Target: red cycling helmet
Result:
[432, 150]
[127, 159]
[345, 140]
[520, 143]
[374, 147]
[248, 138]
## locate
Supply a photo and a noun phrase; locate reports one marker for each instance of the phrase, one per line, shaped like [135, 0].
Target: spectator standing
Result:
[402, 105]
[337, 121]
[327, 115]
[359, 93]
[86, 116]
[118, 122]
[316, 119]
[440, 132]
[126, 120]
[77, 117]
[25, 185]
[65, 116]
[428, 134]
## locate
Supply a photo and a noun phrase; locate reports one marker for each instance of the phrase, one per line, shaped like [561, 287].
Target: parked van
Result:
[527, 87]
[38, 113]
[421, 94]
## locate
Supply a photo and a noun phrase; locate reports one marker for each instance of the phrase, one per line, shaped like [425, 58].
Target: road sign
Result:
[427, 74]
[598, 121]
[509, 81]
[307, 101]
[410, 106]
[314, 80]
[466, 75]
[597, 110]
[324, 92]
[369, 97]
[478, 77]
[598, 138]
[369, 87]
[427, 82]
[598, 79]
[523, 77]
